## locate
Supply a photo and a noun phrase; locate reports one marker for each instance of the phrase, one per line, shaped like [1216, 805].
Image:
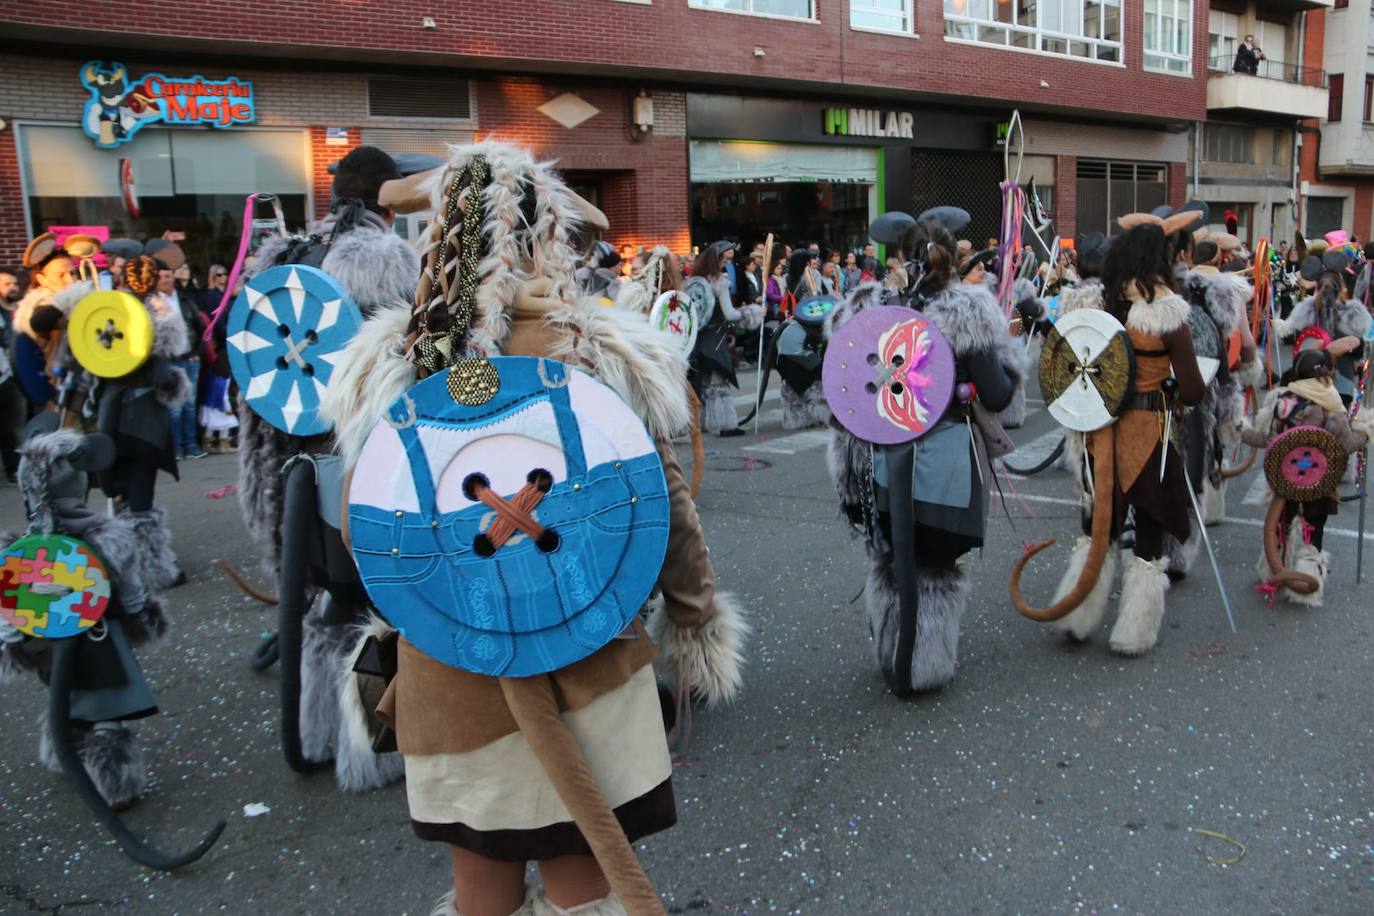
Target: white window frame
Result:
[1158, 39]
[975, 26]
[711, 6]
[906, 18]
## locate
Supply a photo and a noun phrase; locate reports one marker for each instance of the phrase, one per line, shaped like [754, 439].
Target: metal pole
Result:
[1207, 542]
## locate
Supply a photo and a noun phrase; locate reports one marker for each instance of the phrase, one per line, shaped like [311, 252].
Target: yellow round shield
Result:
[111, 333]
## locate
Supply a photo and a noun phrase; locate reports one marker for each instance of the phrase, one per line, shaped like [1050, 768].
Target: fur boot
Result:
[1014, 414]
[1181, 555]
[157, 563]
[795, 414]
[1083, 621]
[818, 406]
[943, 595]
[323, 650]
[1141, 610]
[609, 905]
[356, 766]
[1308, 559]
[1213, 502]
[110, 754]
[718, 406]
[446, 906]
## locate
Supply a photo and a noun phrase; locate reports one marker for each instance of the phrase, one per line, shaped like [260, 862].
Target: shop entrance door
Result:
[960, 179]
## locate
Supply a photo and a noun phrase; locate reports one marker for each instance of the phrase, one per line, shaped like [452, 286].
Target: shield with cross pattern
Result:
[285, 333]
[1086, 368]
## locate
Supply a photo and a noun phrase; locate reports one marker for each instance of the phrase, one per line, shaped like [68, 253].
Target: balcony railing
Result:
[1271, 70]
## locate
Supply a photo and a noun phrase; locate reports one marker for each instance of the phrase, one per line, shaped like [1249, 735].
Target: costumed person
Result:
[1330, 310]
[1293, 560]
[653, 274]
[977, 269]
[134, 411]
[599, 274]
[796, 350]
[354, 245]
[932, 494]
[41, 361]
[713, 361]
[82, 645]
[489, 759]
[1134, 465]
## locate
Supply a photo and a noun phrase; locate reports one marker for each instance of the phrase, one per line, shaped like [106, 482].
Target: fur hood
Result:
[1223, 298]
[1086, 295]
[170, 337]
[1167, 313]
[375, 267]
[618, 348]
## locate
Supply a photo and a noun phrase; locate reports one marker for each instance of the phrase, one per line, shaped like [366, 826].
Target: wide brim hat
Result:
[123, 248]
[167, 253]
[890, 228]
[953, 219]
[987, 257]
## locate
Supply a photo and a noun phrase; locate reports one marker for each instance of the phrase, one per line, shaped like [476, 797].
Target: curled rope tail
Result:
[242, 582]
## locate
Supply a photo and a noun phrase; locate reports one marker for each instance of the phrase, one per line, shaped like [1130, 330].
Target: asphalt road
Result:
[1047, 778]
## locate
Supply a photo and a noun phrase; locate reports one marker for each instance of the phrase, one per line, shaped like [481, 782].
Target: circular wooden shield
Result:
[111, 333]
[52, 586]
[888, 375]
[815, 309]
[1304, 464]
[285, 333]
[672, 313]
[1085, 369]
[1206, 344]
[430, 508]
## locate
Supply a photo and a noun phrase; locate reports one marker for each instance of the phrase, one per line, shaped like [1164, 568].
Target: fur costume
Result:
[1345, 318]
[975, 327]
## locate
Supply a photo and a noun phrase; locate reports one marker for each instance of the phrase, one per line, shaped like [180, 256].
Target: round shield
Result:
[1085, 369]
[31, 369]
[111, 333]
[1304, 464]
[814, 309]
[1313, 338]
[702, 299]
[516, 537]
[888, 375]
[52, 586]
[672, 313]
[1206, 344]
[284, 334]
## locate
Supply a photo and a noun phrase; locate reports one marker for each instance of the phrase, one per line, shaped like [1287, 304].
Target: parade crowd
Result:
[457, 463]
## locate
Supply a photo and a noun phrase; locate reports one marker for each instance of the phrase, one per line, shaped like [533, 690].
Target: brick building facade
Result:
[1089, 122]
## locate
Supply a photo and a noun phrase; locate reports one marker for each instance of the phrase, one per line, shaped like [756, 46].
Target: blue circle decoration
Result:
[527, 606]
[285, 333]
[815, 309]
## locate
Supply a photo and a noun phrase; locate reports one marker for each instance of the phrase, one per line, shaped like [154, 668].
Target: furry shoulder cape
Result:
[1348, 318]
[375, 267]
[1164, 315]
[170, 337]
[1224, 296]
[618, 348]
[1086, 295]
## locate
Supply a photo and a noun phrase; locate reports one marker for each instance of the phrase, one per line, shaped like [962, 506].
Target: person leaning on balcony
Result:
[1248, 57]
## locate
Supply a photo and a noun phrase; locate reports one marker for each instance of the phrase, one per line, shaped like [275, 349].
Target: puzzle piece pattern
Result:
[52, 560]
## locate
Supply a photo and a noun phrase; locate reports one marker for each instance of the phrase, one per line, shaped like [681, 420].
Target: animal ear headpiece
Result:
[1176, 222]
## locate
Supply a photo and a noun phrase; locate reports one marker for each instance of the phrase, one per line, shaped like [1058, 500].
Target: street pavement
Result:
[1048, 778]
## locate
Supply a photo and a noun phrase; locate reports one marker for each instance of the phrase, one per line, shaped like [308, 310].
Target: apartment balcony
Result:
[1347, 150]
[1274, 89]
[1295, 6]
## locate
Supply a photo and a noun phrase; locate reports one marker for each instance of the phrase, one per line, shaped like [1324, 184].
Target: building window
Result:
[1368, 95]
[1336, 98]
[789, 9]
[882, 15]
[1342, 4]
[1283, 146]
[1323, 215]
[1078, 28]
[1228, 143]
[1222, 29]
[1169, 35]
[1108, 191]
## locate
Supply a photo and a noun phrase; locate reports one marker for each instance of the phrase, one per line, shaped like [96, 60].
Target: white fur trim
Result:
[709, 661]
[1308, 559]
[373, 372]
[1213, 502]
[1165, 314]
[357, 767]
[1086, 295]
[1141, 612]
[1083, 621]
[170, 337]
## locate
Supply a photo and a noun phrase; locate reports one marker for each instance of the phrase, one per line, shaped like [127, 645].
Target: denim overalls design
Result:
[527, 608]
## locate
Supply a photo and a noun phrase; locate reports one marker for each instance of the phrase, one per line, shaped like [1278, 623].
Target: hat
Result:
[168, 254]
[1311, 267]
[1225, 241]
[1335, 260]
[1201, 213]
[987, 257]
[1337, 237]
[952, 218]
[889, 228]
[406, 163]
[123, 248]
[81, 246]
[412, 194]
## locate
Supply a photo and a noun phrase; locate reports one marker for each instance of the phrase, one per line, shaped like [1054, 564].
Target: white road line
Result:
[1248, 522]
[1035, 450]
[790, 445]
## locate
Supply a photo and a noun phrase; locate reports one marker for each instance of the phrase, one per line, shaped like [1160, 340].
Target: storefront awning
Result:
[744, 161]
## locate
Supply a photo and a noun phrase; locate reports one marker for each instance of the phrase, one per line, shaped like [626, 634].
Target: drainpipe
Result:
[1197, 158]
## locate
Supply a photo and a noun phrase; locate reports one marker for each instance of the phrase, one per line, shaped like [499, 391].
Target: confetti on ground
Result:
[255, 809]
[220, 493]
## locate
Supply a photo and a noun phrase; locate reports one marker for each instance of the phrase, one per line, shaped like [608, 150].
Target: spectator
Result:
[850, 274]
[13, 406]
[217, 279]
[184, 438]
[1247, 60]
[871, 254]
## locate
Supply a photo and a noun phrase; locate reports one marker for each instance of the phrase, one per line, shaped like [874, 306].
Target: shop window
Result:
[405, 97]
[788, 9]
[1110, 190]
[1335, 98]
[882, 15]
[1228, 143]
[186, 180]
[1323, 215]
[1076, 28]
[1169, 35]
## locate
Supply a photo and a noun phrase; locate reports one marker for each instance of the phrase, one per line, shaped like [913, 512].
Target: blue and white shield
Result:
[285, 331]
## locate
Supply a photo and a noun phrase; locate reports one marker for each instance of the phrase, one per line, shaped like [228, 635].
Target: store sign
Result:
[1003, 131]
[865, 122]
[119, 106]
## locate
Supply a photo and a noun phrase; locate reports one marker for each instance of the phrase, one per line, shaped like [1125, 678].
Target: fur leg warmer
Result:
[795, 414]
[1083, 621]
[606, 906]
[1014, 414]
[718, 406]
[818, 406]
[323, 651]
[943, 595]
[1308, 559]
[357, 767]
[708, 661]
[1213, 502]
[1143, 586]
[157, 563]
[111, 756]
[1181, 554]
[447, 907]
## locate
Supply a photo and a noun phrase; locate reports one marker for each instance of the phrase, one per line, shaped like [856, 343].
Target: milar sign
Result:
[120, 106]
[867, 122]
